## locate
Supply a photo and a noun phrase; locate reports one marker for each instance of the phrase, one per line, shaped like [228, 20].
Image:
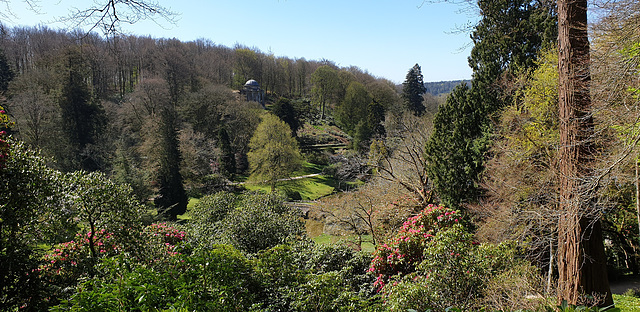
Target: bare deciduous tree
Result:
[401, 158]
[106, 15]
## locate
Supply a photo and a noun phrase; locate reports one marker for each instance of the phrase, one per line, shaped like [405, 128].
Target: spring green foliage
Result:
[325, 87]
[521, 174]
[274, 152]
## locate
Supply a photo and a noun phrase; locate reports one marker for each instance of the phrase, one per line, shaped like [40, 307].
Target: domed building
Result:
[253, 92]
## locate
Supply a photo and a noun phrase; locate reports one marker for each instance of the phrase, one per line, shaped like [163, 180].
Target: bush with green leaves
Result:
[311, 277]
[457, 272]
[405, 251]
[219, 279]
[99, 203]
[261, 221]
[250, 222]
[32, 214]
[205, 226]
[433, 263]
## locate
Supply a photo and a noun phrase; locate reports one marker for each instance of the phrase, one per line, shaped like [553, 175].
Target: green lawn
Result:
[330, 239]
[309, 188]
[187, 216]
[627, 303]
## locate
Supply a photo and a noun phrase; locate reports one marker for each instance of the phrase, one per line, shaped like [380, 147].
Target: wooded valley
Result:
[151, 174]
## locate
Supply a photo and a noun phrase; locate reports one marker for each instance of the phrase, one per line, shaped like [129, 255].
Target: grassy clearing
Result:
[187, 216]
[627, 303]
[310, 188]
[349, 240]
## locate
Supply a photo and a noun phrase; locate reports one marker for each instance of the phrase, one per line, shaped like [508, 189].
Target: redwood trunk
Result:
[581, 262]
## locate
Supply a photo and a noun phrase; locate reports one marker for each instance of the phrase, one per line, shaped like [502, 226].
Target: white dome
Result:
[252, 82]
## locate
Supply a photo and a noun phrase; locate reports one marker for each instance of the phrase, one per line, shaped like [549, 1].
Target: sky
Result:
[383, 37]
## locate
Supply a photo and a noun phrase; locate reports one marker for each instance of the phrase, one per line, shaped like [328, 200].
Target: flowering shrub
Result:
[166, 236]
[405, 250]
[167, 233]
[68, 261]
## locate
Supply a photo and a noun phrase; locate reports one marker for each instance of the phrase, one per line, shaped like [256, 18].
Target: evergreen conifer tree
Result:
[413, 89]
[506, 41]
[6, 74]
[172, 198]
[83, 119]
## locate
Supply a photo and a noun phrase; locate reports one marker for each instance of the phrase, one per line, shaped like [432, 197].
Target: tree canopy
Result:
[274, 152]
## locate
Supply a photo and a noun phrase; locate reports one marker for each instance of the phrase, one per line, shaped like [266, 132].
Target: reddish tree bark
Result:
[581, 261]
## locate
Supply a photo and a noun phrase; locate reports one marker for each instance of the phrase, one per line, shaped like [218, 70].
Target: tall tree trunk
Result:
[581, 259]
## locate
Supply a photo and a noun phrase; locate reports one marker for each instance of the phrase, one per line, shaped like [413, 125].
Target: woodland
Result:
[136, 176]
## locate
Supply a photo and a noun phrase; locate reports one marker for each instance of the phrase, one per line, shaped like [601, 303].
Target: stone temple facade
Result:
[253, 92]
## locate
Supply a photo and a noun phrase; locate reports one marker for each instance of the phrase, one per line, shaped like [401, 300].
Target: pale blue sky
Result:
[384, 37]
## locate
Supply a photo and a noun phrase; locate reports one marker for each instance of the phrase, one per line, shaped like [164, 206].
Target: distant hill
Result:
[443, 87]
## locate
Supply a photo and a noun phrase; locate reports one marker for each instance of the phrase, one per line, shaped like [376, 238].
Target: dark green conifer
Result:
[413, 89]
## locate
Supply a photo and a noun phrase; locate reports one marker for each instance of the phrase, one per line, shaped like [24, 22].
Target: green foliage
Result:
[325, 87]
[506, 42]
[455, 150]
[83, 118]
[413, 89]
[354, 108]
[310, 277]
[521, 173]
[566, 307]
[274, 152]
[406, 250]
[288, 113]
[434, 263]
[261, 222]
[454, 273]
[627, 303]
[219, 279]
[6, 74]
[509, 36]
[227, 158]
[207, 216]
[5, 124]
[172, 198]
[30, 212]
[100, 204]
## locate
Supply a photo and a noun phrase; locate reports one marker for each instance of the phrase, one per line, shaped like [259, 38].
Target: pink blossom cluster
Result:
[65, 257]
[405, 250]
[167, 233]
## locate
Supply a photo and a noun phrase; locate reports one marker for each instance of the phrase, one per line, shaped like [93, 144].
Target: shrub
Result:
[205, 226]
[405, 250]
[261, 222]
[310, 277]
[433, 263]
[219, 279]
